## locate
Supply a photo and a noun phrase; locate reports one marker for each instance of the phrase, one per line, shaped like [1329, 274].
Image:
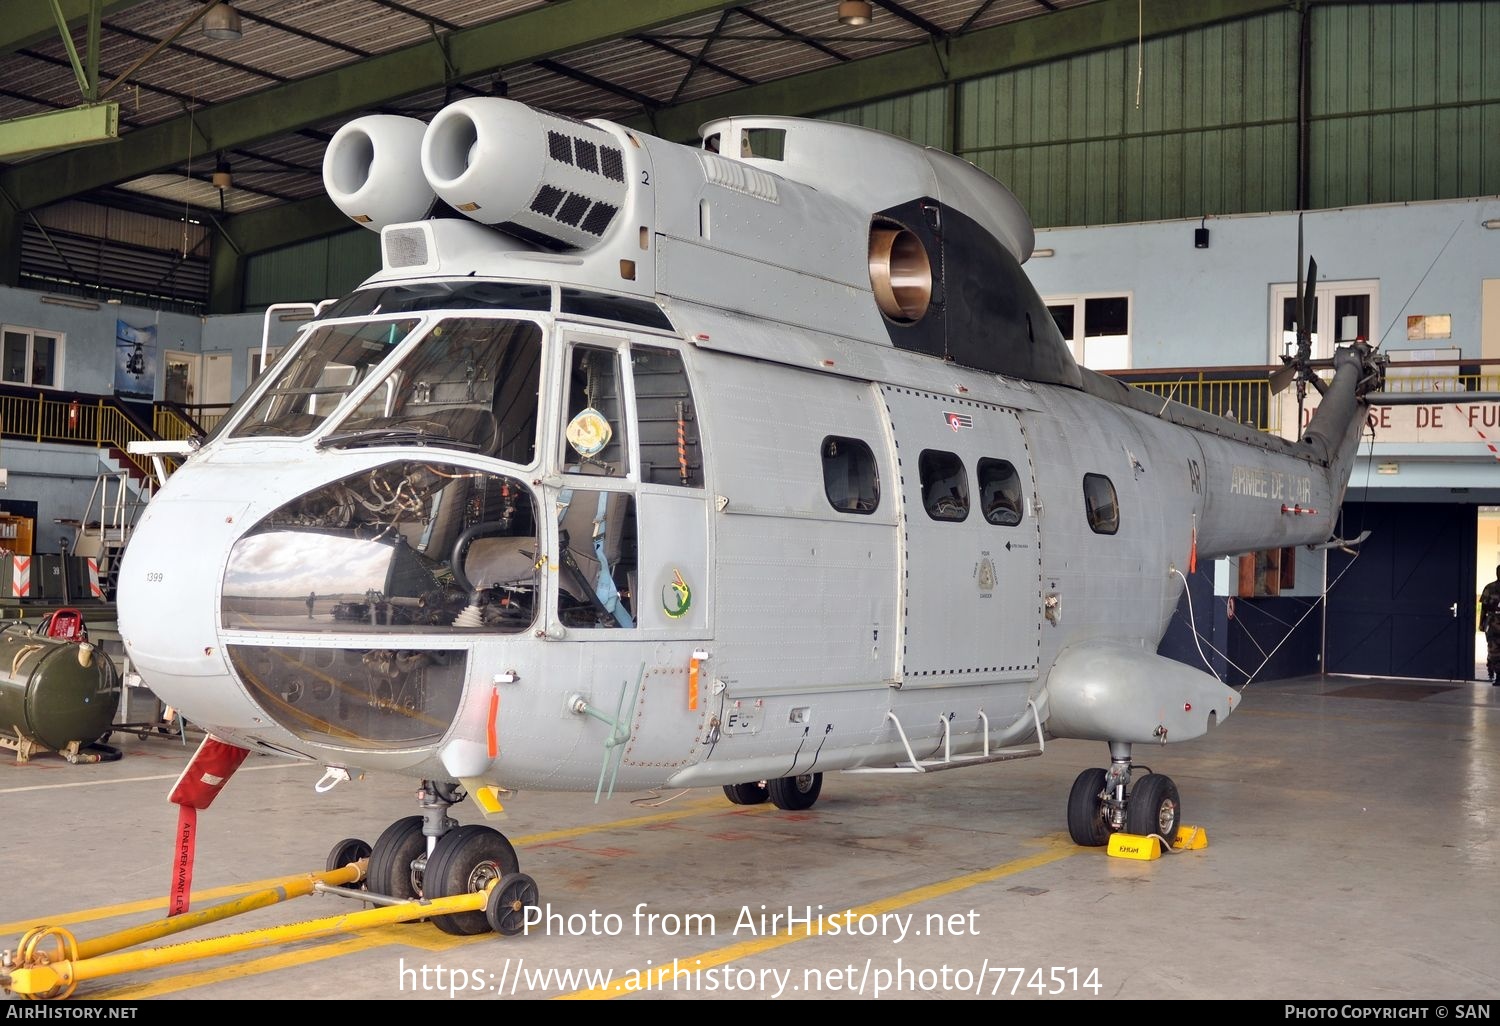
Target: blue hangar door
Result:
[1404, 605]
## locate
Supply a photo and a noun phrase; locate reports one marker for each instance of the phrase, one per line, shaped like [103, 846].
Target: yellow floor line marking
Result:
[705, 806]
[137, 780]
[1058, 848]
[423, 936]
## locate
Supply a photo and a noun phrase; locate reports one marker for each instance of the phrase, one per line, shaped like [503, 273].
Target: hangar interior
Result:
[165, 234]
[1162, 151]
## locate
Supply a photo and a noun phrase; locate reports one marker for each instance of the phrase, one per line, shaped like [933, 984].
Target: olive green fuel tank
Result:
[55, 692]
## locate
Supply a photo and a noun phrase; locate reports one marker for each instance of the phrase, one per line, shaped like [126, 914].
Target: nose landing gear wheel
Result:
[1086, 823]
[466, 860]
[398, 846]
[1154, 808]
[506, 910]
[793, 794]
[753, 793]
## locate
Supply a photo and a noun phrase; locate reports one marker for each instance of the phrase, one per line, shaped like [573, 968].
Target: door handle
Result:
[1454, 609]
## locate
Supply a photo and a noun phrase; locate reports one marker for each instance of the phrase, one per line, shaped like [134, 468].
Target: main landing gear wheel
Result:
[793, 794]
[465, 861]
[1086, 817]
[1154, 808]
[506, 910]
[350, 849]
[391, 859]
[753, 793]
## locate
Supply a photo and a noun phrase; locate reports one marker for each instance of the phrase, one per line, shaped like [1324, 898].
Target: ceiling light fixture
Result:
[855, 12]
[223, 178]
[222, 21]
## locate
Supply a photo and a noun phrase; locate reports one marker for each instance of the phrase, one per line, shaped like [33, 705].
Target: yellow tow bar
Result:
[49, 963]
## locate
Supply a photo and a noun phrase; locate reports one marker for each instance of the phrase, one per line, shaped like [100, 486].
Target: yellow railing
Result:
[97, 422]
[1249, 400]
[171, 424]
[1246, 400]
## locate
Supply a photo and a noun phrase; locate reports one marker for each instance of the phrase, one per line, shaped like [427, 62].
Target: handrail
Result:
[96, 421]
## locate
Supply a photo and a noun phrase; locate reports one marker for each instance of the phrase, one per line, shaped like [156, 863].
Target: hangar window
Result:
[945, 486]
[1000, 496]
[34, 357]
[666, 418]
[1096, 328]
[851, 480]
[1101, 504]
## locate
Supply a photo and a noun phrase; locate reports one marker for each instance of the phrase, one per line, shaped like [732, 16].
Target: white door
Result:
[217, 389]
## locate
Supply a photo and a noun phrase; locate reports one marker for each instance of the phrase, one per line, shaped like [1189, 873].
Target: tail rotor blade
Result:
[1281, 377]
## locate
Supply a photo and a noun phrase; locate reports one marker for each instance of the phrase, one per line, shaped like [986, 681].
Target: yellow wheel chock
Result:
[1148, 847]
[49, 963]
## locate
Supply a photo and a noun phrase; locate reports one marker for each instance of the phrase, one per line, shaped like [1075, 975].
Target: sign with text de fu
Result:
[1437, 421]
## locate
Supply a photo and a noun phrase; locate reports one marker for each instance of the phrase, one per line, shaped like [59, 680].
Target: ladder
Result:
[104, 528]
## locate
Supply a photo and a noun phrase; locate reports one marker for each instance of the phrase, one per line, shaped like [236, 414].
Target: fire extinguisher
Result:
[73, 415]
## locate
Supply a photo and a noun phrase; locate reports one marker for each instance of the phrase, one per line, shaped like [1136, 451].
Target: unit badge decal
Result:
[676, 596]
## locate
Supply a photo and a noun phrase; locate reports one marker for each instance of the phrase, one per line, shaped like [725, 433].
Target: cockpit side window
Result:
[594, 439]
[334, 361]
[666, 418]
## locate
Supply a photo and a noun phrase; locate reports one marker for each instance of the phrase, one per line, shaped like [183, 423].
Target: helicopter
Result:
[649, 465]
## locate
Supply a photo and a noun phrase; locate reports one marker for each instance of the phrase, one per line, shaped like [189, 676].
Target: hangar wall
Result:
[1403, 105]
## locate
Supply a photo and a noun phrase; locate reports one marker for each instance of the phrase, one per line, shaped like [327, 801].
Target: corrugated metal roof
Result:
[752, 42]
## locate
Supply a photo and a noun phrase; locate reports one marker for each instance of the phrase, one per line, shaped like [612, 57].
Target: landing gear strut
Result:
[1103, 802]
[432, 856]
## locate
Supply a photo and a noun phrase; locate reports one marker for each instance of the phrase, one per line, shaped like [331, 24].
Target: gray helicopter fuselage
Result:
[703, 487]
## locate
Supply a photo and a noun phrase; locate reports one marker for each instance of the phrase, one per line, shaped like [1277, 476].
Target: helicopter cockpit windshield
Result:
[470, 384]
[325, 369]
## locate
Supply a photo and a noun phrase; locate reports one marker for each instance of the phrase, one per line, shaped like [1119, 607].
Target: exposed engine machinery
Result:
[55, 696]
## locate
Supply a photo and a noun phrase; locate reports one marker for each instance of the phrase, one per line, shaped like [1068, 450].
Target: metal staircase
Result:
[104, 529]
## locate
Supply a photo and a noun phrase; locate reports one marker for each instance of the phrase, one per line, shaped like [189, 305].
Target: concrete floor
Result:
[1354, 852]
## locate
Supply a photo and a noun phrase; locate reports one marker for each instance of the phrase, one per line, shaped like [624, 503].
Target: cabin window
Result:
[666, 418]
[1101, 504]
[597, 541]
[33, 357]
[945, 485]
[851, 479]
[1000, 496]
[593, 428]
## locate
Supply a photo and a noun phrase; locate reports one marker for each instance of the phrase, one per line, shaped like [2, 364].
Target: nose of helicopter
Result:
[167, 601]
